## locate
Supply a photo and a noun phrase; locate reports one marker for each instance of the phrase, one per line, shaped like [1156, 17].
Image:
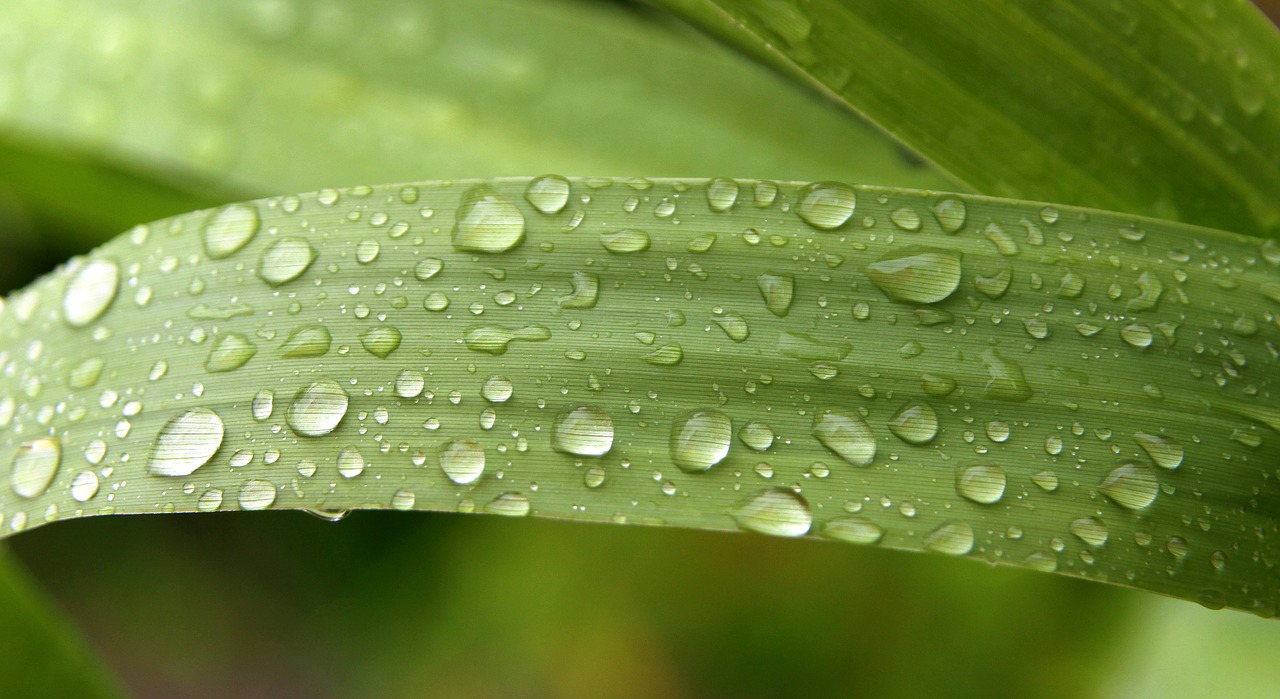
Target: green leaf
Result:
[1164, 109]
[1054, 388]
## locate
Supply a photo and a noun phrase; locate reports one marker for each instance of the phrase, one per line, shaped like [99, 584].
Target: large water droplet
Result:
[309, 341]
[855, 530]
[846, 435]
[700, 440]
[509, 505]
[757, 436]
[827, 205]
[722, 192]
[809, 348]
[231, 352]
[34, 466]
[462, 460]
[230, 228]
[666, 355]
[548, 194]
[950, 214]
[350, 462]
[922, 276]
[915, 423]
[90, 292]
[84, 486]
[493, 339]
[734, 326]
[1090, 530]
[584, 430]
[185, 443]
[317, 409]
[586, 291]
[625, 241]
[285, 260]
[777, 512]
[486, 222]
[983, 484]
[778, 291]
[257, 494]
[1130, 484]
[1166, 452]
[1005, 378]
[380, 341]
[952, 538]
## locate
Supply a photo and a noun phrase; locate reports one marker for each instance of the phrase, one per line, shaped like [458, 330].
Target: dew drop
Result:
[776, 512]
[1130, 485]
[90, 292]
[285, 260]
[625, 241]
[462, 460]
[317, 409]
[915, 423]
[34, 466]
[380, 341]
[827, 205]
[308, 341]
[846, 435]
[350, 462]
[757, 436]
[1166, 452]
[983, 484]
[497, 389]
[722, 193]
[509, 505]
[924, 276]
[584, 430]
[778, 292]
[700, 440]
[257, 494]
[1090, 530]
[586, 291]
[231, 352]
[950, 214]
[952, 538]
[230, 228]
[548, 194]
[854, 530]
[185, 443]
[84, 486]
[487, 223]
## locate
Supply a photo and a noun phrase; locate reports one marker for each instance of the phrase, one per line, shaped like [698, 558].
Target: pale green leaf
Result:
[1054, 388]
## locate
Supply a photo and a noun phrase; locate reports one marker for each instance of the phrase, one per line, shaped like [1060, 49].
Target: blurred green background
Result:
[120, 112]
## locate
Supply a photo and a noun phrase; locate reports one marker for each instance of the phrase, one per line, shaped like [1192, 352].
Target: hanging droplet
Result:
[230, 228]
[34, 466]
[584, 430]
[846, 435]
[317, 409]
[700, 440]
[777, 512]
[185, 443]
[90, 292]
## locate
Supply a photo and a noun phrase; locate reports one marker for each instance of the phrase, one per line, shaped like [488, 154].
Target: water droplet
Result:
[733, 325]
[257, 494]
[462, 460]
[808, 348]
[915, 423]
[230, 228]
[952, 538]
[757, 436]
[84, 374]
[262, 405]
[90, 292]
[185, 443]
[584, 430]
[497, 389]
[950, 214]
[778, 291]
[777, 512]
[1005, 378]
[722, 193]
[428, 268]
[846, 435]
[827, 205]
[84, 486]
[1130, 484]
[34, 466]
[1166, 452]
[493, 339]
[231, 352]
[625, 241]
[983, 484]
[509, 505]
[486, 222]
[548, 194]
[209, 501]
[317, 409]
[380, 341]
[1149, 290]
[403, 500]
[923, 276]
[1090, 530]
[666, 355]
[285, 260]
[700, 440]
[855, 530]
[1047, 480]
[309, 341]
[937, 385]
[409, 383]
[1137, 335]
[350, 462]
[586, 291]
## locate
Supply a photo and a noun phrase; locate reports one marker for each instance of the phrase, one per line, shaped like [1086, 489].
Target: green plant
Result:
[1043, 386]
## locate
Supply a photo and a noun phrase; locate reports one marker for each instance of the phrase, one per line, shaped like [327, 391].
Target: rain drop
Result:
[90, 292]
[923, 276]
[185, 443]
[584, 430]
[700, 440]
[317, 409]
[462, 460]
[777, 512]
[230, 228]
[34, 466]
[846, 435]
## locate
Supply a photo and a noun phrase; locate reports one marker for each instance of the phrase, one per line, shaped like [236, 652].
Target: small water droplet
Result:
[409, 383]
[855, 530]
[906, 218]
[625, 241]
[231, 352]
[950, 214]
[584, 430]
[403, 500]
[733, 325]
[209, 501]
[230, 228]
[983, 484]
[1130, 484]
[462, 460]
[548, 194]
[257, 494]
[90, 292]
[777, 512]
[1166, 452]
[778, 292]
[846, 435]
[185, 443]
[757, 436]
[1005, 378]
[1090, 530]
[487, 223]
[509, 505]
[380, 341]
[263, 404]
[809, 348]
[83, 375]
[317, 409]
[666, 355]
[915, 423]
[722, 193]
[285, 260]
[497, 389]
[700, 440]
[922, 276]
[1137, 335]
[34, 466]
[84, 486]
[350, 462]
[827, 205]
[952, 538]
[586, 291]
